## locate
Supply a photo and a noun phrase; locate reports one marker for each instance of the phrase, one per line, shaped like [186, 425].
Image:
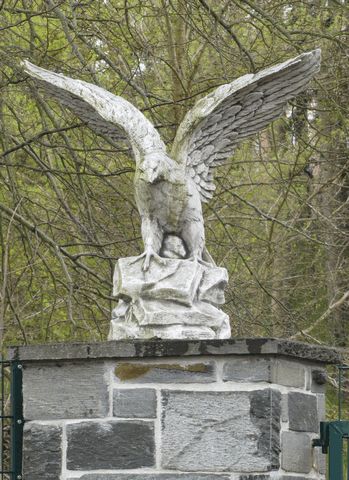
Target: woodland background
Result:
[279, 221]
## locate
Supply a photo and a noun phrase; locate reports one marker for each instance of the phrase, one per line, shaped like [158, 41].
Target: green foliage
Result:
[66, 200]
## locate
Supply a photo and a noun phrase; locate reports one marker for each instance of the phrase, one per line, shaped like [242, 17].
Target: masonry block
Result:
[288, 373]
[289, 477]
[264, 369]
[42, 451]
[251, 369]
[241, 428]
[284, 407]
[134, 403]
[302, 412]
[320, 461]
[154, 476]
[296, 452]
[74, 390]
[321, 406]
[174, 372]
[110, 445]
[254, 477]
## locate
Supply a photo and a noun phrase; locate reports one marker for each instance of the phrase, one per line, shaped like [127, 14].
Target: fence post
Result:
[17, 420]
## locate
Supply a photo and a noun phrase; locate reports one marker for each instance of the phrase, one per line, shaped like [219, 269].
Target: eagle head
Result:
[154, 167]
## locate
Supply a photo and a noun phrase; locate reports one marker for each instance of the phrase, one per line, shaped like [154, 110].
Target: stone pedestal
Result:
[173, 410]
[174, 298]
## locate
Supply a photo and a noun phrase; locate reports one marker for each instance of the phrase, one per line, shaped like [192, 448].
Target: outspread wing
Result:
[105, 113]
[217, 123]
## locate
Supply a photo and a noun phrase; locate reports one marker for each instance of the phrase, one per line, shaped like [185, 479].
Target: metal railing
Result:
[11, 420]
[334, 437]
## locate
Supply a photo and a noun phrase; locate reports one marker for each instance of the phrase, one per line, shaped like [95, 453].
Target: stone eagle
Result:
[169, 187]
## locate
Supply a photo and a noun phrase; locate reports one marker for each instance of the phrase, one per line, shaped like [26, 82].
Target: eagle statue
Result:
[169, 187]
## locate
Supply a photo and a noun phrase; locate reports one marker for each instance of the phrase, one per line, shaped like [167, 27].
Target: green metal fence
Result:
[11, 421]
[334, 437]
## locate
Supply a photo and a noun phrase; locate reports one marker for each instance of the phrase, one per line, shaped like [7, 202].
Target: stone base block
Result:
[175, 299]
[220, 431]
[213, 410]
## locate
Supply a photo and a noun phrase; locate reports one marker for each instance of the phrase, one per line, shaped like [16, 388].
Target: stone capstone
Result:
[174, 298]
[169, 348]
[242, 435]
[134, 403]
[85, 392]
[108, 445]
[42, 451]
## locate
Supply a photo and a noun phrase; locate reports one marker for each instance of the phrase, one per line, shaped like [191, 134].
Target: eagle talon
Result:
[147, 255]
[203, 262]
[197, 259]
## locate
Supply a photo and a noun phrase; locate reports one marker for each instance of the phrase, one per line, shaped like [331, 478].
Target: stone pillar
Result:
[243, 409]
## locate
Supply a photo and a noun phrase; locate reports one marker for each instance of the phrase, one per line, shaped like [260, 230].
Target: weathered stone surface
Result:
[254, 477]
[290, 374]
[265, 412]
[321, 407]
[212, 285]
[85, 392]
[288, 477]
[320, 464]
[156, 476]
[237, 426]
[296, 452]
[136, 402]
[173, 247]
[152, 312]
[302, 412]
[163, 319]
[176, 280]
[181, 372]
[251, 369]
[170, 348]
[311, 352]
[42, 452]
[265, 369]
[110, 445]
[318, 380]
[284, 407]
[172, 299]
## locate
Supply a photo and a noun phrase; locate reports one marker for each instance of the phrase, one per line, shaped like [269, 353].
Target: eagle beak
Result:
[154, 176]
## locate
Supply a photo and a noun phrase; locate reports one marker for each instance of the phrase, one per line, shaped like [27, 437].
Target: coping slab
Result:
[175, 348]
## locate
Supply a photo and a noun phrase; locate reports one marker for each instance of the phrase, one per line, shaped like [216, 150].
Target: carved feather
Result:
[217, 123]
[106, 114]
